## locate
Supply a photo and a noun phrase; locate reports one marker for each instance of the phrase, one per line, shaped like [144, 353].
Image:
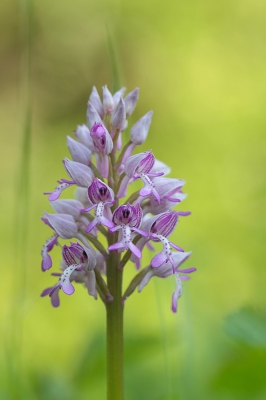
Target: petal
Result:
[187, 270]
[65, 283]
[142, 233]
[85, 210]
[91, 225]
[81, 174]
[64, 224]
[119, 115]
[68, 288]
[117, 246]
[58, 190]
[104, 166]
[55, 298]
[91, 284]
[176, 247]
[174, 302]
[92, 116]
[131, 101]
[46, 262]
[115, 228]
[158, 260]
[46, 291]
[180, 257]
[96, 102]
[78, 151]
[146, 191]
[108, 101]
[107, 222]
[118, 95]
[133, 162]
[83, 134]
[177, 293]
[135, 250]
[69, 206]
[159, 166]
[123, 187]
[139, 131]
[145, 280]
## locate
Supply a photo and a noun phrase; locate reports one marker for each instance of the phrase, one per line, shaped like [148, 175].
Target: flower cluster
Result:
[102, 171]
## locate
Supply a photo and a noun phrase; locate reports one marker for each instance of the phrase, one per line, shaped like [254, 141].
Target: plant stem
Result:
[114, 313]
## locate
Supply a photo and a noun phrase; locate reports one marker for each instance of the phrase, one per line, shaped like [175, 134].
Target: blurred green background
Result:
[201, 67]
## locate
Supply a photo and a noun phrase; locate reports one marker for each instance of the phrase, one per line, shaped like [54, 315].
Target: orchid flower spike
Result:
[127, 218]
[101, 168]
[99, 195]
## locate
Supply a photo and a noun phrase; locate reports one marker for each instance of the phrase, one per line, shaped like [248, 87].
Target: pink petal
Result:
[91, 225]
[158, 260]
[68, 288]
[135, 250]
[145, 192]
[116, 246]
[107, 222]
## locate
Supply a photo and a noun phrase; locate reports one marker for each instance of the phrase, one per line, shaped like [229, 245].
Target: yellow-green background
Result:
[201, 67]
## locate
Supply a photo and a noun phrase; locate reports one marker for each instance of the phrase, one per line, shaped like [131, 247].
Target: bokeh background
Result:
[200, 66]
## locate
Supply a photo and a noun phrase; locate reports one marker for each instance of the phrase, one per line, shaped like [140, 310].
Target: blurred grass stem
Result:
[17, 378]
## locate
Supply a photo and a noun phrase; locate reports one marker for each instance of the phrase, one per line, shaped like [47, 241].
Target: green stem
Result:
[114, 313]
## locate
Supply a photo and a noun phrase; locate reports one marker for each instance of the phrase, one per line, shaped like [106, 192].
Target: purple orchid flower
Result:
[81, 176]
[166, 270]
[170, 192]
[75, 258]
[103, 146]
[64, 226]
[127, 218]
[99, 195]
[139, 166]
[159, 228]
[77, 254]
